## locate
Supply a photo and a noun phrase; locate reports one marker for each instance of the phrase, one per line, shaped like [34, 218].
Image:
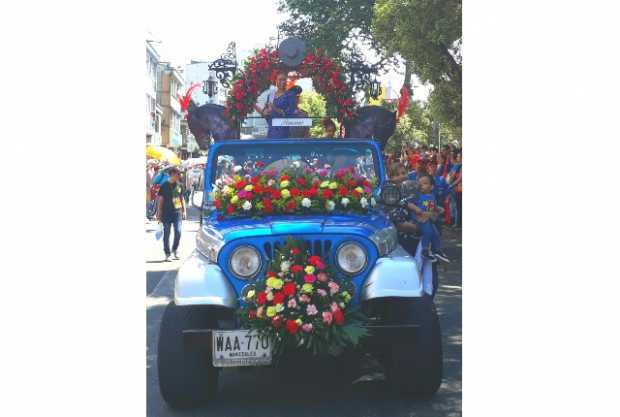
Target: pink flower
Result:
[322, 292]
[310, 278]
[367, 190]
[307, 327]
[334, 307]
[304, 298]
[311, 310]
[333, 287]
[292, 303]
[327, 317]
[322, 276]
[320, 265]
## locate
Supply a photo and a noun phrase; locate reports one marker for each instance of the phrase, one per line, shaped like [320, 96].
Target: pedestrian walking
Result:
[171, 211]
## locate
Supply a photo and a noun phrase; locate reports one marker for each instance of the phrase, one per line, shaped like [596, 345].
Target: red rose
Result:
[291, 326]
[366, 183]
[278, 297]
[327, 193]
[217, 204]
[254, 180]
[252, 314]
[338, 317]
[295, 192]
[258, 189]
[301, 181]
[291, 205]
[261, 297]
[297, 268]
[239, 185]
[275, 195]
[230, 209]
[343, 190]
[289, 289]
[295, 251]
[284, 177]
[315, 260]
[356, 194]
[352, 183]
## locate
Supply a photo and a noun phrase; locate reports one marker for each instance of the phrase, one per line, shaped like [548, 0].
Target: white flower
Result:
[364, 202]
[344, 201]
[218, 182]
[306, 202]
[237, 168]
[285, 265]
[296, 164]
[373, 202]
[330, 205]
[271, 182]
[247, 205]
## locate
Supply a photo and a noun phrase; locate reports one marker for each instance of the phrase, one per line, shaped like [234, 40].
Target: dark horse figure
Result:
[208, 121]
[374, 122]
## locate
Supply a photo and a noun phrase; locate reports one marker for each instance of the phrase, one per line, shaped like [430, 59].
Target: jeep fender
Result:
[200, 282]
[395, 275]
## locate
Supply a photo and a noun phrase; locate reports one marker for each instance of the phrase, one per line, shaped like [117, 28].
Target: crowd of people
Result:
[438, 201]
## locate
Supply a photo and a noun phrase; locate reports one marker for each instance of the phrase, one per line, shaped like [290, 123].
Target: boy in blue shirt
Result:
[424, 211]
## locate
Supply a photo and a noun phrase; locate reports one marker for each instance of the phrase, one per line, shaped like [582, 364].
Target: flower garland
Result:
[297, 191]
[261, 69]
[299, 304]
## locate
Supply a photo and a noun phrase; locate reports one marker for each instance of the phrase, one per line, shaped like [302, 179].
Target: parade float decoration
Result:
[300, 304]
[296, 191]
[218, 123]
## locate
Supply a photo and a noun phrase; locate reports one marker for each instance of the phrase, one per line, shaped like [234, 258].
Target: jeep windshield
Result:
[270, 158]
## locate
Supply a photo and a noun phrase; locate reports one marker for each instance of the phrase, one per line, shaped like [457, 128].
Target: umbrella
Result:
[162, 154]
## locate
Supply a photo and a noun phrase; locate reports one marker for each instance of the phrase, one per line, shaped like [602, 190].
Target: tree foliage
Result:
[427, 34]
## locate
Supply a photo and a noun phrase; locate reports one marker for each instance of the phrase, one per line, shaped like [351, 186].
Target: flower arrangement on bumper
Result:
[300, 191]
[300, 305]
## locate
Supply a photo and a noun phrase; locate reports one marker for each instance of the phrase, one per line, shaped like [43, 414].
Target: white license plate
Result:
[240, 348]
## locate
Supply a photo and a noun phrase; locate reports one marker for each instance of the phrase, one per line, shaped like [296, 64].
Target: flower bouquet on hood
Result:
[299, 305]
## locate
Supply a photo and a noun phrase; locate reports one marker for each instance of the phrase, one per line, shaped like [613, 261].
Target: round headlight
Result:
[390, 194]
[245, 262]
[351, 258]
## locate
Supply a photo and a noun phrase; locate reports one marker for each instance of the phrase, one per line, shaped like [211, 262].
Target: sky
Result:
[201, 30]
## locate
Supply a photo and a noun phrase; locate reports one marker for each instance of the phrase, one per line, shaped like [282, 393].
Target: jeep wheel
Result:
[414, 362]
[186, 378]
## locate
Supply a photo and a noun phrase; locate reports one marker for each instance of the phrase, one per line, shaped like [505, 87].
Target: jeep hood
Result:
[238, 228]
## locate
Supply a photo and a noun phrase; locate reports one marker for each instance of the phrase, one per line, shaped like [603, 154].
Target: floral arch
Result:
[259, 73]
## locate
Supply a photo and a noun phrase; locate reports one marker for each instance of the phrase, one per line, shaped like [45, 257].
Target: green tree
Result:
[314, 104]
[427, 34]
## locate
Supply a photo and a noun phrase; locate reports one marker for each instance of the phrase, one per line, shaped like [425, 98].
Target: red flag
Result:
[403, 102]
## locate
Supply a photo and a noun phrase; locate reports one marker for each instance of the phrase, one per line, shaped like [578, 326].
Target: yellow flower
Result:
[284, 184]
[250, 295]
[236, 178]
[324, 184]
[248, 187]
[273, 282]
[307, 288]
[227, 190]
[347, 296]
[271, 311]
[234, 199]
[279, 307]
[299, 322]
[359, 189]
[309, 269]
[333, 185]
[285, 193]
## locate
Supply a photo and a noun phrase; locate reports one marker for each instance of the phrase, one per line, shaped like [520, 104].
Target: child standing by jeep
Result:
[424, 211]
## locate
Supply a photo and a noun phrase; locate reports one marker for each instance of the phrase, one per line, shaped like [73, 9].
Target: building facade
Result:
[153, 110]
[171, 84]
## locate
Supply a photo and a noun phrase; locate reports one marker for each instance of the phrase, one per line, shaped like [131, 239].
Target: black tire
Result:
[186, 378]
[414, 364]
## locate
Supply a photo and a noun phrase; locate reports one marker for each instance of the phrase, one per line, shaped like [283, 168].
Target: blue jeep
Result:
[200, 329]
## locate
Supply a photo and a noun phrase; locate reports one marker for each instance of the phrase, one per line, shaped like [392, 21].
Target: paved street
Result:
[266, 392]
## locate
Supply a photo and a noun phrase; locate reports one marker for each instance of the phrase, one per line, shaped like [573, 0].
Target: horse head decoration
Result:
[207, 121]
[374, 122]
